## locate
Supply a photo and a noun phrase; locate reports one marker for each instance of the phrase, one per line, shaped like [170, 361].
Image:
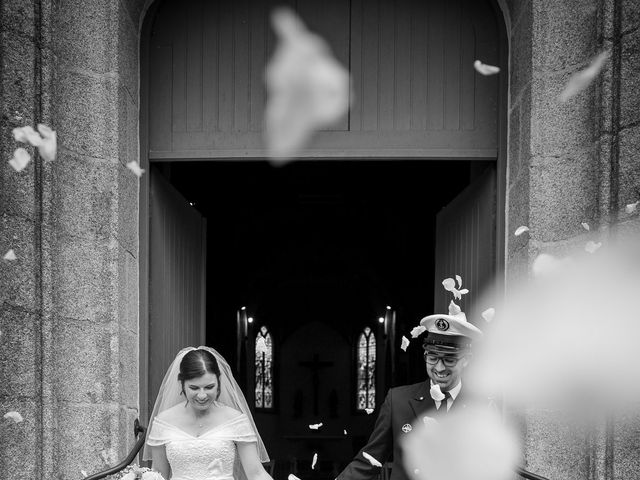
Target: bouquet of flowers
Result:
[136, 472]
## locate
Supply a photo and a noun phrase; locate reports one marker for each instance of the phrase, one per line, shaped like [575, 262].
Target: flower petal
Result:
[49, 145]
[632, 207]
[10, 255]
[20, 160]
[459, 280]
[292, 477]
[84, 473]
[27, 135]
[464, 291]
[314, 461]
[404, 344]
[315, 426]
[488, 314]
[436, 393]
[417, 331]
[454, 309]
[135, 168]
[372, 460]
[592, 247]
[449, 284]
[345, 432]
[15, 416]
[520, 230]
[369, 411]
[484, 69]
[307, 88]
[581, 80]
[585, 225]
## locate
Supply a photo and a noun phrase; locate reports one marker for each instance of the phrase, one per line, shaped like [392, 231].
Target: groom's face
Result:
[447, 369]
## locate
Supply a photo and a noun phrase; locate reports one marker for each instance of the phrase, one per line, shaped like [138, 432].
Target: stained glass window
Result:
[264, 369]
[366, 391]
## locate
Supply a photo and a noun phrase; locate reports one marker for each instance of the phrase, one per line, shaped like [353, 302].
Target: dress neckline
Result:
[203, 433]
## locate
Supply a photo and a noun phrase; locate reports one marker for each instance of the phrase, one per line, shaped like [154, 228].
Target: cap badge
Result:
[442, 324]
[406, 428]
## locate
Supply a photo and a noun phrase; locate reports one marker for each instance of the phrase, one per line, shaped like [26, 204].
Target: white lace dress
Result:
[211, 456]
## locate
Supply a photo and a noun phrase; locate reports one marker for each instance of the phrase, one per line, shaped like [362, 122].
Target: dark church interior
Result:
[316, 251]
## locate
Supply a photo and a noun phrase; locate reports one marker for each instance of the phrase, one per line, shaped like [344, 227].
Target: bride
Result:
[201, 426]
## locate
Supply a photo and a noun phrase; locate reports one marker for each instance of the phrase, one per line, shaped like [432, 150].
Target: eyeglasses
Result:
[448, 360]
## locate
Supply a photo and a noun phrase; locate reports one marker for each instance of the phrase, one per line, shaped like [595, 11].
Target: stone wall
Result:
[570, 163]
[69, 303]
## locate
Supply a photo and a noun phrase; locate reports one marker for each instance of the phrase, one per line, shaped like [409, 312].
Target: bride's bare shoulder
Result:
[174, 413]
[228, 412]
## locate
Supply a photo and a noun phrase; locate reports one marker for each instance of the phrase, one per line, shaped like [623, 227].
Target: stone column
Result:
[69, 311]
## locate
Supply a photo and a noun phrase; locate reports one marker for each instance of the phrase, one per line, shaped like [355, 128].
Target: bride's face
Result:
[201, 391]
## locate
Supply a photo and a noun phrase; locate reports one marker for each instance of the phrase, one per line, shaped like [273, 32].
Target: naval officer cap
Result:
[450, 333]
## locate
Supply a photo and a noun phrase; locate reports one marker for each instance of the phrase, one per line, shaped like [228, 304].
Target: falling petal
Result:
[417, 331]
[436, 393]
[449, 284]
[135, 168]
[404, 344]
[315, 426]
[292, 477]
[15, 416]
[314, 461]
[372, 460]
[48, 146]
[84, 473]
[10, 255]
[307, 88]
[454, 309]
[484, 69]
[488, 314]
[592, 247]
[27, 135]
[464, 291]
[520, 230]
[632, 207]
[581, 80]
[345, 432]
[459, 280]
[20, 160]
[585, 225]
[369, 411]
[457, 294]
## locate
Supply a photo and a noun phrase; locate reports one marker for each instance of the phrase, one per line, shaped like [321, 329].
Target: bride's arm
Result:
[159, 461]
[251, 462]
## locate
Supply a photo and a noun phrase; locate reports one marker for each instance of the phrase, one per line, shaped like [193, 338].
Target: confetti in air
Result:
[292, 477]
[84, 473]
[449, 285]
[592, 247]
[491, 448]
[372, 460]
[20, 160]
[417, 331]
[488, 314]
[454, 308]
[307, 88]
[585, 225]
[15, 416]
[315, 426]
[345, 432]
[10, 255]
[436, 393]
[404, 344]
[484, 69]
[314, 461]
[520, 230]
[581, 80]
[631, 207]
[135, 168]
[44, 140]
[369, 411]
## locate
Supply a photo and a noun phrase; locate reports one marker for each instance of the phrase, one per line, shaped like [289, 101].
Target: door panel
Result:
[465, 245]
[177, 277]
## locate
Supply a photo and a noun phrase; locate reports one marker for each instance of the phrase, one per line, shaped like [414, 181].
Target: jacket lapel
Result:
[421, 401]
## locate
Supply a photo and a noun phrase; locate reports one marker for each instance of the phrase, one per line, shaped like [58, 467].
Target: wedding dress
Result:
[210, 456]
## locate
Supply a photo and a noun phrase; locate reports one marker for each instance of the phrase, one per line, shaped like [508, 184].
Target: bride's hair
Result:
[197, 363]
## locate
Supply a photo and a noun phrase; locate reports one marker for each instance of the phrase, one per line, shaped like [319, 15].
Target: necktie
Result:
[443, 404]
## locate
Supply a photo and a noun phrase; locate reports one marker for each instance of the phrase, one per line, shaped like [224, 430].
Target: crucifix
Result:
[315, 365]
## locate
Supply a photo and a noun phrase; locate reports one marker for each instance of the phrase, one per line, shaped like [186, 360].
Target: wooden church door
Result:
[177, 278]
[465, 246]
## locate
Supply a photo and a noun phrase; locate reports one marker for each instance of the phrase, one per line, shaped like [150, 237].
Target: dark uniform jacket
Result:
[403, 408]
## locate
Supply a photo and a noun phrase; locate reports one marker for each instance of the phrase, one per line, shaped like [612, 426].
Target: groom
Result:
[447, 348]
